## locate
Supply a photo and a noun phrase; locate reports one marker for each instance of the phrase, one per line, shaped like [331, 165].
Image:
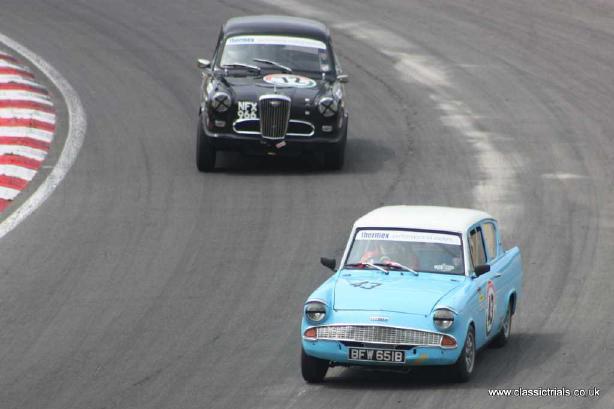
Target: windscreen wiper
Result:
[241, 65]
[278, 65]
[400, 266]
[360, 265]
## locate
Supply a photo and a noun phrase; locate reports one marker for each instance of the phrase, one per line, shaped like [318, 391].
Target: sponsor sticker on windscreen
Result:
[277, 40]
[412, 236]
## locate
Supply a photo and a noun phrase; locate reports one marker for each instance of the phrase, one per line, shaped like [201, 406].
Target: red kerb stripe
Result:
[13, 182]
[28, 123]
[8, 58]
[4, 204]
[13, 86]
[24, 141]
[20, 161]
[15, 71]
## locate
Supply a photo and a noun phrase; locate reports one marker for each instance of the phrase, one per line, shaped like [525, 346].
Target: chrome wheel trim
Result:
[469, 352]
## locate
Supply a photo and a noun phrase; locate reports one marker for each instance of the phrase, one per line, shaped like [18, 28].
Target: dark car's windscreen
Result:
[426, 251]
[299, 54]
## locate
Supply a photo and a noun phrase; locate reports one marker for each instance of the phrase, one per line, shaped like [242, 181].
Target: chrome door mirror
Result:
[343, 78]
[203, 64]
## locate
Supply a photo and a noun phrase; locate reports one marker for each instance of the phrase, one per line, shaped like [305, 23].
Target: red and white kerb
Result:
[27, 126]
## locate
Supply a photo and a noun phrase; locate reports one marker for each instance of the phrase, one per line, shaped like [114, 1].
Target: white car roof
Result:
[422, 217]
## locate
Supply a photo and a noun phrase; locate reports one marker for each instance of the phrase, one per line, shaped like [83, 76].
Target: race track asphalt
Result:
[142, 283]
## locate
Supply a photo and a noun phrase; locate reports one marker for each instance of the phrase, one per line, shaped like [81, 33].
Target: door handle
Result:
[497, 275]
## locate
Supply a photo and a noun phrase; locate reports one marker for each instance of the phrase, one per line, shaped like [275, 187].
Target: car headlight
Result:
[315, 311]
[328, 107]
[443, 318]
[220, 101]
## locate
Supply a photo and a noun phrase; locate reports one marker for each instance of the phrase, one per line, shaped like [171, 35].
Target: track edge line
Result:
[77, 125]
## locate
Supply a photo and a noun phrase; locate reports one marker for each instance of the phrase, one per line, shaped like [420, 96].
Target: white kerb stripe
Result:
[26, 132]
[31, 99]
[7, 193]
[36, 90]
[10, 78]
[27, 113]
[16, 95]
[24, 151]
[10, 64]
[17, 172]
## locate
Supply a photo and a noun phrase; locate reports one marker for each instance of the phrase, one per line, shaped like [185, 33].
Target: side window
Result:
[476, 247]
[490, 240]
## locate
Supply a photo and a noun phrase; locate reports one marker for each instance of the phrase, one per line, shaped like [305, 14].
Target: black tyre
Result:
[463, 368]
[313, 369]
[334, 159]
[506, 330]
[205, 153]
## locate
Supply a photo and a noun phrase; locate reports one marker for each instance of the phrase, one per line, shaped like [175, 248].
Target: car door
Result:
[501, 280]
[484, 287]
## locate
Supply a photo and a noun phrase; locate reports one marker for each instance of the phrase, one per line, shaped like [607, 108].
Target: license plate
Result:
[377, 355]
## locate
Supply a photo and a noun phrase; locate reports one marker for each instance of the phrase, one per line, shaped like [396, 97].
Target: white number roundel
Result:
[289, 80]
[490, 306]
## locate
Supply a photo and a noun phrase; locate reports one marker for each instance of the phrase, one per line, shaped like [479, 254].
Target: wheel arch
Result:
[512, 301]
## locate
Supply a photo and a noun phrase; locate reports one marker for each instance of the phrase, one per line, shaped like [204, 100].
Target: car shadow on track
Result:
[495, 368]
[361, 156]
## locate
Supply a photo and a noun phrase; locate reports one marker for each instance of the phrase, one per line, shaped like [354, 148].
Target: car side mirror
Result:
[328, 262]
[343, 78]
[482, 269]
[203, 64]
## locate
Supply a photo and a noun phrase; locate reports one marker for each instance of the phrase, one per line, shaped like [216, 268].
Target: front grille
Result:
[252, 127]
[274, 111]
[369, 345]
[378, 335]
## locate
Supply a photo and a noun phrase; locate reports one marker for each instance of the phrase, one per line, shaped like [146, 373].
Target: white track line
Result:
[17, 172]
[77, 124]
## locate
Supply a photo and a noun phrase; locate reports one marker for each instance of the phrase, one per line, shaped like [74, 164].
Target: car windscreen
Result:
[299, 54]
[420, 250]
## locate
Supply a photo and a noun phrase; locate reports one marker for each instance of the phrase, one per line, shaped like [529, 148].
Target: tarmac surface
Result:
[142, 283]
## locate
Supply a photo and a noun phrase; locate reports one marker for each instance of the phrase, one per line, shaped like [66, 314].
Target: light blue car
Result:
[418, 285]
